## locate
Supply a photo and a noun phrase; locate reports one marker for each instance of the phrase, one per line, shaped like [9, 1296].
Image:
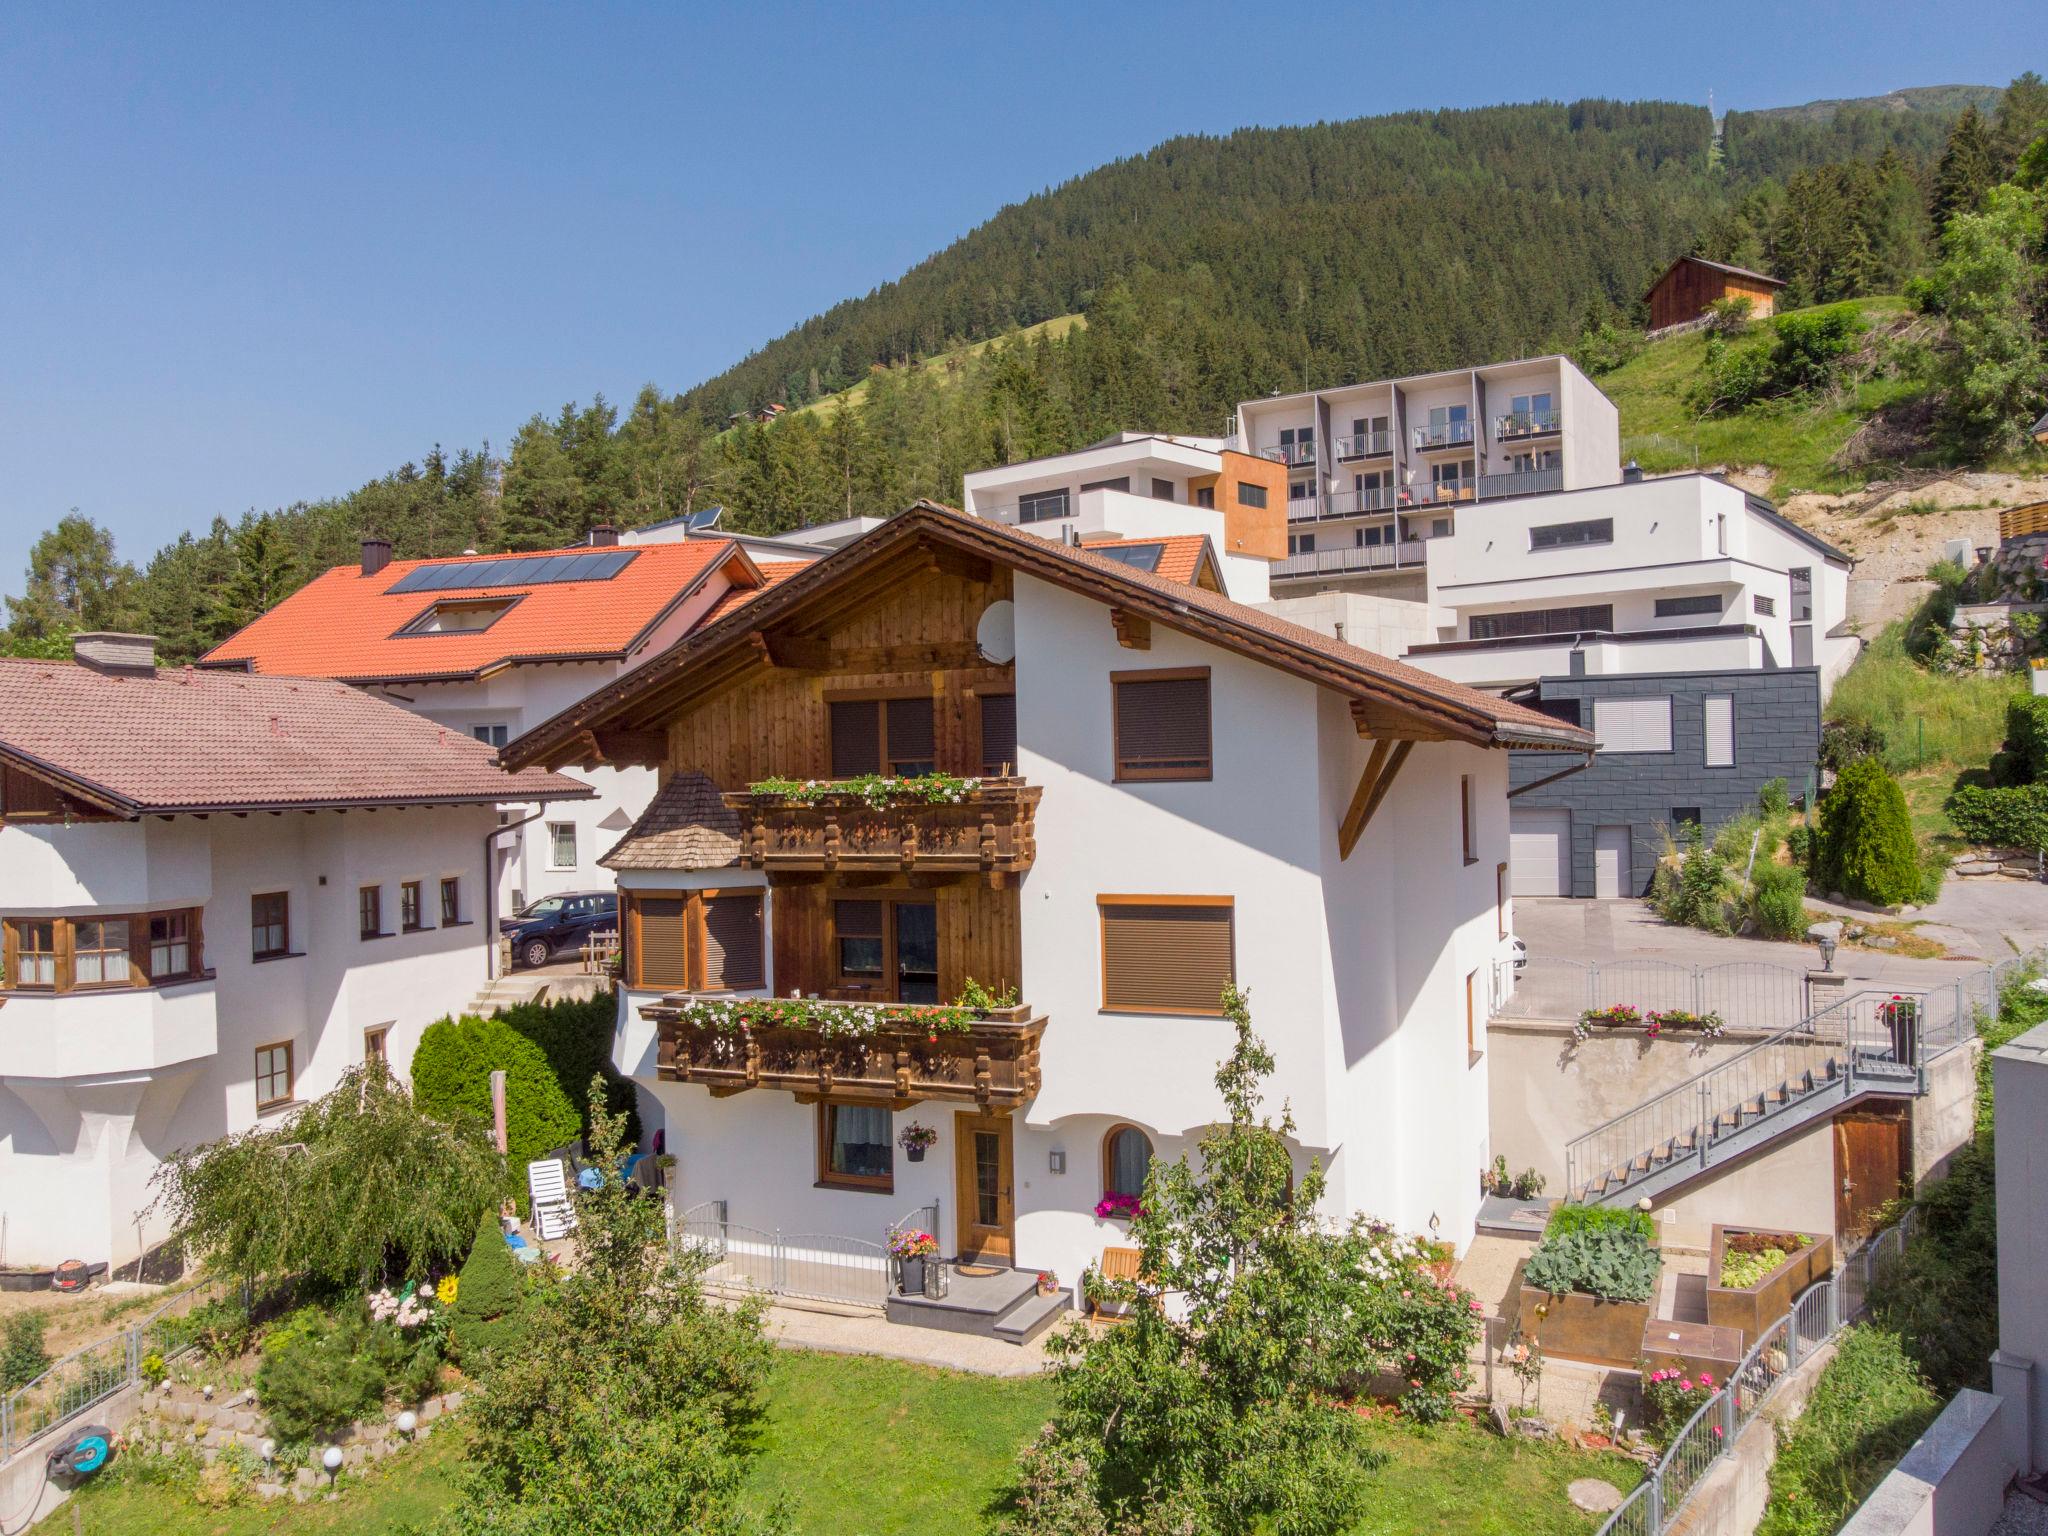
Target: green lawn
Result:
[855, 1446]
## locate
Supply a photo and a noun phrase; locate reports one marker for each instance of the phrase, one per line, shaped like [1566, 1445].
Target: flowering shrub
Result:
[874, 790]
[837, 1021]
[1708, 1024]
[909, 1244]
[1670, 1397]
[1422, 1324]
[914, 1137]
[1618, 1016]
[412, 1309]
[1114, 1207]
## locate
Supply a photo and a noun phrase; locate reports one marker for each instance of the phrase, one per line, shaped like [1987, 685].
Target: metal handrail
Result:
[1290, 453]
[1363, 445]
[1452, 434]
[1525, 424]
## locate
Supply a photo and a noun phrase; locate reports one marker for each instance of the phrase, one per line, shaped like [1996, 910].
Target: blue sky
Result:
[255, 254]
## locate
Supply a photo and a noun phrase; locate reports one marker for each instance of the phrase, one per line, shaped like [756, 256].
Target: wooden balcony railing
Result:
[992, 1061]
[988, 831]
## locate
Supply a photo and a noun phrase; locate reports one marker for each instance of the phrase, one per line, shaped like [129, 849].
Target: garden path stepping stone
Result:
[1593, 1496]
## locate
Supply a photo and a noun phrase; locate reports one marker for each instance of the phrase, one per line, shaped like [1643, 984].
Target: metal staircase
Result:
[1873, 1043]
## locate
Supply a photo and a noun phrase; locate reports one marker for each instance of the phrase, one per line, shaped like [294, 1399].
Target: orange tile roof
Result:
[189, 740]
[773, 574]
[1180, 554]
[346, 625]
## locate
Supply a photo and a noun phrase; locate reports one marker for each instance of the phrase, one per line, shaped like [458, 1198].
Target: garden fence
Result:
[1821, 1312]
[1747, 994]
[812, 1266]
[94, 1372]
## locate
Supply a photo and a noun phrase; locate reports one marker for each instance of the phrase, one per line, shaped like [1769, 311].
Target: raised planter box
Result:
[1570, 1325]
[1753, 1309]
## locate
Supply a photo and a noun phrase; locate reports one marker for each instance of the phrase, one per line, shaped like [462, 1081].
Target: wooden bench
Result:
[1117, 1264]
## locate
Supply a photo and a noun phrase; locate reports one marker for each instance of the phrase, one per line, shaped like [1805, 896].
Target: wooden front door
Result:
[1873, 1162]
[985, 1184]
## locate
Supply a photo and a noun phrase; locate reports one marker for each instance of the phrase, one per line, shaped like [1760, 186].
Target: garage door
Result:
[1539, 848]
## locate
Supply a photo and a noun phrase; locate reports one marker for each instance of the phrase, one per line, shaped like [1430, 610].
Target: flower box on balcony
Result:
[934, 824]
[1753, 1308]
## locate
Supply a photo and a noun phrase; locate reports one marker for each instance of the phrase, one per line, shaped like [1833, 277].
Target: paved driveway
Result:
[1570, 929]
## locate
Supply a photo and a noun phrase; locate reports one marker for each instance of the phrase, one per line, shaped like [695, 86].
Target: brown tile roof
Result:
[1180, 554]
[194, 740]
[348, 625]
[688, 826]
[1371, 680]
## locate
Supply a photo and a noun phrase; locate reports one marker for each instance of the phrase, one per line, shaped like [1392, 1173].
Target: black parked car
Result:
[559, 925]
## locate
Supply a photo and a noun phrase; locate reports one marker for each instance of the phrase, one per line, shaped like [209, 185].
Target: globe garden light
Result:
[267, 1450]
[331, 1459]
[407, 1422]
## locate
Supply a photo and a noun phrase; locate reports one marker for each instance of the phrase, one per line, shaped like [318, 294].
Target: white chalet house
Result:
[1135, 790]
[490, 645]
[217, 892]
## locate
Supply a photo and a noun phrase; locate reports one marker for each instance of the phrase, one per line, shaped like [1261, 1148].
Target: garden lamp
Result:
[331, 1459]
[407, 1422]
[1827, 953]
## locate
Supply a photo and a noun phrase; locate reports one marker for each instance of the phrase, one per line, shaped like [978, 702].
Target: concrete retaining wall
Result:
[1951, 1483]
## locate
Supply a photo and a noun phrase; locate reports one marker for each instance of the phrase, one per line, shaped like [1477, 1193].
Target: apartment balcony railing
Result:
[1522, 482]
[1290, 453]
[987, 830]
[1361, 503]
[894, 1053]
[1358, 558]
[1520, 424]
[1440, 495]
[1364, 445]
[1444, 434]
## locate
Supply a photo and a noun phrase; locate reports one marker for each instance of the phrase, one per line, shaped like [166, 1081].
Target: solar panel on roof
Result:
[500, 571]
[1142, 557]
[697, 522]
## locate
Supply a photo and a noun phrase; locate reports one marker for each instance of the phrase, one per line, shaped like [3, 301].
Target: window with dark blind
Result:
[998, 733]
[1165, 954]
[660, 940]
[734, 946]
[893, 736]
[909, 740]
[1162, 724]
[856, 738]
[857, 935]
[269, 925]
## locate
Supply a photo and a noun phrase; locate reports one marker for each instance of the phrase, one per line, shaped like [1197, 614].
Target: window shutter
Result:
[1720, 713]
[998, 732]
[856, 738]
[1162, 727]
[1632, 725]
[733, 943]
[1165, 959]
[910, 735]
[660, 944]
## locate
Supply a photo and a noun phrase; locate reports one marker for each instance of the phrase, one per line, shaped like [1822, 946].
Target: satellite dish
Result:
[996, 635]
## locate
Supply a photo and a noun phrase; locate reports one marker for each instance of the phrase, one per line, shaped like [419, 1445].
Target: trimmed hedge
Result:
[2024, 758]
[2001, 818]
[1866, 846]
[451, 1080]
[576, 1037]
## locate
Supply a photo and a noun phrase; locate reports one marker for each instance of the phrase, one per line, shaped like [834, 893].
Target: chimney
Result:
[604, 536]
[1631, 473]
[115, 654]
[376, 555]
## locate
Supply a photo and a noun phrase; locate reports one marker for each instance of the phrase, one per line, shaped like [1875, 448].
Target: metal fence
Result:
[1747, 994]
[1817, 1316]
[813, 1266]
[91, 1374]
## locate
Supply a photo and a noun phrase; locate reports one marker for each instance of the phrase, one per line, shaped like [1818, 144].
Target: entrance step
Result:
[1031, 1317]
[1005, 1305]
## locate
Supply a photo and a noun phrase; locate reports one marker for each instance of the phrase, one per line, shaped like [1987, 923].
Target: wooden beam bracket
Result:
[1373, 784]
[1133, 630]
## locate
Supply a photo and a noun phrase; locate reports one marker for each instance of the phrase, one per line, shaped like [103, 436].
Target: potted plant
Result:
[910, 1249]
[1901, 1018]
[1048, 1283]
[915, 1140]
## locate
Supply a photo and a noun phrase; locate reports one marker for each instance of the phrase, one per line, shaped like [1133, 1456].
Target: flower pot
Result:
[913, 1277]
[915, 1154]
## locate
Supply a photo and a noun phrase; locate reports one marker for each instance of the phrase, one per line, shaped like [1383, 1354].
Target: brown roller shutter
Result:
[1162, 958]
[998, 733]
[1162, 725]
[660, 943]
[910, 736]
[856, 738]
[733, 945]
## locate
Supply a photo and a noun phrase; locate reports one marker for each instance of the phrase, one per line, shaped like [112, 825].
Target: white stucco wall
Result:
[82, 1129]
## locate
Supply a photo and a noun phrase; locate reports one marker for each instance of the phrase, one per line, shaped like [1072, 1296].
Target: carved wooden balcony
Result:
[992, 1061]
[987, 832]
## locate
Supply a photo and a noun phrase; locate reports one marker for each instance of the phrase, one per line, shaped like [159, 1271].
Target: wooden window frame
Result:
[10, 964]
[695, 953]
[409, 895]
[1466, 817]
[70, 951]
[291, 1074]
[255, 926]
[1151, 1153]
[1472, 1051]
[372, 910]
[451, 901]
[63, 951]
[1124, 774]
[555, 828]
[377, 1043]
[868, 1184]
[1102, 945]
[145, 946]
[880, 699]
[889, 988]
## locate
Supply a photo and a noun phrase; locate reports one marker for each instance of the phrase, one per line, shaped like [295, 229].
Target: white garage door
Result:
[1612, 877]
[1539, 850]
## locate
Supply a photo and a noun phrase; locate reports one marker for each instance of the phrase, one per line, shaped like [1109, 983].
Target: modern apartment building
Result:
[491, 645]
[1376, 471]
[1160, 791]
[216, 893]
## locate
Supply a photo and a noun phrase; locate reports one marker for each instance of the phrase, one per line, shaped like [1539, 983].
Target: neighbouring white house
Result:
[1119, 790]
[490, 645]
[217, 891]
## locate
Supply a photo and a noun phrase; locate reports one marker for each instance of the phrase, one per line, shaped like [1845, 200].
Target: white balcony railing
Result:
[1518, 424]
[1364, 445]
[1361, 503]
[1340, 562]
[1522, 482]
[1443, 434]
[1290, 453]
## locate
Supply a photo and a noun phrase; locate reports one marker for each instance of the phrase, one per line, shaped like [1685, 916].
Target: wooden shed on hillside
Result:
[1691, 283]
